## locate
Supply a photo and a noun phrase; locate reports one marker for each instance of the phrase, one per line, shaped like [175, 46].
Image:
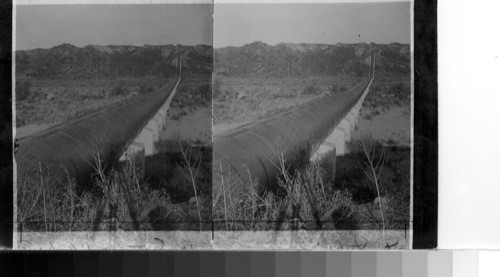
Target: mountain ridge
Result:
[254, 59]
[302, 59]
[112, 61]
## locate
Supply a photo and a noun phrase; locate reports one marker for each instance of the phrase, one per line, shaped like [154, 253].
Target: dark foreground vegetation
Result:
[124, 198]
[324, 196]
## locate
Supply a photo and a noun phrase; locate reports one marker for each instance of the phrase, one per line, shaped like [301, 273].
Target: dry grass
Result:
[194, 91]
[379, 178]
[119, 200]
[193, 169]
[374, 165]
[386, 94]
[46, 204]
[310, 198]
[248, 99]
[304, 200]
[52, 101]
[183, 170]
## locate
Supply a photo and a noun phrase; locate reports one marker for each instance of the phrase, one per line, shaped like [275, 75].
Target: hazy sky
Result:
[238, 24]
[44, 26]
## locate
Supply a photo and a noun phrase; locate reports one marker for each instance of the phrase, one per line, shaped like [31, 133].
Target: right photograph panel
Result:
[312, 126]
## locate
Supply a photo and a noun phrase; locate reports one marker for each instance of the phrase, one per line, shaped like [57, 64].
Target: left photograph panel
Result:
[112, 121]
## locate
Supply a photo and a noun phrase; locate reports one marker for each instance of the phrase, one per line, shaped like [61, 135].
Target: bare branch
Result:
[369, 149]
[192, 175]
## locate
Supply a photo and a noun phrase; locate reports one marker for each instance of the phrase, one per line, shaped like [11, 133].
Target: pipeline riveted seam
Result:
[238, 142]
[27, 152]
[79, 153]
[347, 99]
[253, 135]
[81, 126]
[68, 157]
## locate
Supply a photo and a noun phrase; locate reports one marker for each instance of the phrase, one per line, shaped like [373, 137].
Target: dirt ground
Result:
[241, 240]
[313, 240]
[102, 240]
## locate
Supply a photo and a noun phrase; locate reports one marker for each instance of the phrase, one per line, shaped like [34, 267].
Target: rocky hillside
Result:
[69, 61]
[285, 59]
[255, 59]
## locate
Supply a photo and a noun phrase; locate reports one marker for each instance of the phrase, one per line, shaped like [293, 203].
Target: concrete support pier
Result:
[144, 144]
[336, 141]
[345, 126]
[146, 137]
[161, 116]
[150, 134]
[353, 119]
[338, 136]
[154, 126]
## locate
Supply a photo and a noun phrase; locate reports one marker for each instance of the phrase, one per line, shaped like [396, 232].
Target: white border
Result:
[468, 130]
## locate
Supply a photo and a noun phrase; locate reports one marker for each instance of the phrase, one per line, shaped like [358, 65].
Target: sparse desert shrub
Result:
[145, 88]
[128, 201]
[217, 86]
[378, 178]
[119, 200]
[179, 115]
[310, 89]
[334, 89]
[159, 168]
[233, 201]
[304, 200]
[307, 198]
[20, 121]
[192, 161]
[390, 94]
[400, 92]
[310, 198]
[395, 89]
[373, 167]
[23, 89]
[253, 104]
[345, 218]
[169, 168]
[50, 205]
[119, 90]
[204, 91]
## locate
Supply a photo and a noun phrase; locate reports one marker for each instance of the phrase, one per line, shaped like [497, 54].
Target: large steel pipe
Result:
[71, 150]
[258, 151]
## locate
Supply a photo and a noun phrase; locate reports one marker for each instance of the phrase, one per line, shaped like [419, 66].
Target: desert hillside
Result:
[65, 82]
[71, 62]
[291, 60]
